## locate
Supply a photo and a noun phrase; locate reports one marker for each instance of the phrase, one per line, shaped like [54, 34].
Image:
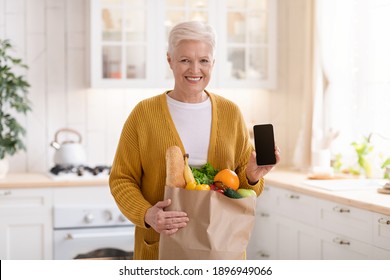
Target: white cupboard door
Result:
[25, 224]
[296, 241]
[287, 241]
[25, 238]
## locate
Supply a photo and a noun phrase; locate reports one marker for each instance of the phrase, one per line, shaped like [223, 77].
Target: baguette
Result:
[175, 167]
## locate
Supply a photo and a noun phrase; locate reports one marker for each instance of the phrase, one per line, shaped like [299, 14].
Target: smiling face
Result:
[191, 63]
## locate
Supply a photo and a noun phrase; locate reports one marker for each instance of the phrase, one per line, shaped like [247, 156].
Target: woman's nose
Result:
[195, 66]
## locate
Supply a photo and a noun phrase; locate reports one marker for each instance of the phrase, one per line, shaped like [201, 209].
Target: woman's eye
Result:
[204, 61]
[185, 60]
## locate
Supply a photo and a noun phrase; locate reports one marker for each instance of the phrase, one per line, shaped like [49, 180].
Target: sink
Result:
[346, 184]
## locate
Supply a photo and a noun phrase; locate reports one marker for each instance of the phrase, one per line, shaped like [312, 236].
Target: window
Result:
[355, 56]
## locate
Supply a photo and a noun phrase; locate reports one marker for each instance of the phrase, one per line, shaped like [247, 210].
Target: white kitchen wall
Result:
[52, 37]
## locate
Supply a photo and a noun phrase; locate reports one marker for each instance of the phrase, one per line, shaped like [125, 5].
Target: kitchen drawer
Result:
[381, 231]
[267, 199]
[297, 206]
[346, 220]
[340, 247]
[31, 201]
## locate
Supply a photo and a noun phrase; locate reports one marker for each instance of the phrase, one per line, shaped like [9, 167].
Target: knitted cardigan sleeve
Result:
[126, 172]
[138, 172]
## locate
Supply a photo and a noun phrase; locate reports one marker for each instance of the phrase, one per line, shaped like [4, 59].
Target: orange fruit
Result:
[228, 177]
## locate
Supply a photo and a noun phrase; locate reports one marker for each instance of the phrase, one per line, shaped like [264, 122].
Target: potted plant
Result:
[13, 100]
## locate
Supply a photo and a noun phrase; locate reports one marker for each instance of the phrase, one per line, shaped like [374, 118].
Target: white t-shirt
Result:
[193, 123]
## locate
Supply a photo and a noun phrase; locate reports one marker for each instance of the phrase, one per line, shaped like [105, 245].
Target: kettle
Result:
[68, 153]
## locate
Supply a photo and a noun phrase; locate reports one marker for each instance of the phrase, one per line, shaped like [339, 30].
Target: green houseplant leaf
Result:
[13, 101]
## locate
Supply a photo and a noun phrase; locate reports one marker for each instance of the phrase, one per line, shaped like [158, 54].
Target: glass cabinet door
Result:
[122, 41]
[248, 43]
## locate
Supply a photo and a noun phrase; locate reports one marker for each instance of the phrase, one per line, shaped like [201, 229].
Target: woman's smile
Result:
[193, 79]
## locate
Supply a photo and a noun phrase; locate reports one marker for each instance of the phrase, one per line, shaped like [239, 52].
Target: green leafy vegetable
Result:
[205, 174]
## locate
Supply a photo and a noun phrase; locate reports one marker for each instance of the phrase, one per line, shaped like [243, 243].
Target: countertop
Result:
[41, 180]
[368, 199]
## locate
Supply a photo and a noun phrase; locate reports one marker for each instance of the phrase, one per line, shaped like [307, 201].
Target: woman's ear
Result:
[169, 59]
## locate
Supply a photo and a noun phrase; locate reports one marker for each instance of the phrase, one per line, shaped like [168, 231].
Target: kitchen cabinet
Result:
[347, 231]
[25, 224]
[262, 244]
[128, 41]
[292, 225]
[284, 227]
[346, 220]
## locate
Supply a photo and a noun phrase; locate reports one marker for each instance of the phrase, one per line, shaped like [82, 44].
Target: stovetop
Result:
[60, 172]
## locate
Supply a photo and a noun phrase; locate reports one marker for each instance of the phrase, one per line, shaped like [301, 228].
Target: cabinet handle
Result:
[5, 193]
[263, 255]
[341, 242]
[341, 210]
[383, 221]
[73, 236]
[265, 215]
[293, 196]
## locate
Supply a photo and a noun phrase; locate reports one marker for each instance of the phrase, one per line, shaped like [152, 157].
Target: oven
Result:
[91, 232]
[87, 224]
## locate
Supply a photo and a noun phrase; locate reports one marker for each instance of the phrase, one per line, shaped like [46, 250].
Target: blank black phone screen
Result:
[264, 144]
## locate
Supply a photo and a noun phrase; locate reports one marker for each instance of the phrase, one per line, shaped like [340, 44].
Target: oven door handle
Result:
[73, 236]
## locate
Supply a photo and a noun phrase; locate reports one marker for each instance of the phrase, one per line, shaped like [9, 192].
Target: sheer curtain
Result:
[335, 82]
[352, 93]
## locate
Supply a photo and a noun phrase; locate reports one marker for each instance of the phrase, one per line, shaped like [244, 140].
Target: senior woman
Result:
[208, 127]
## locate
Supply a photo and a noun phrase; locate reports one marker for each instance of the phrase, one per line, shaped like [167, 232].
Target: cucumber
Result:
[229, 192]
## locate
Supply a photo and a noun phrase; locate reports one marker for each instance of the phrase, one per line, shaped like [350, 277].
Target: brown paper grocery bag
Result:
[219, 227]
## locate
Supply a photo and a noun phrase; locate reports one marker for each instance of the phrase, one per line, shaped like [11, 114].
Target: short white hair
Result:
[191, 30]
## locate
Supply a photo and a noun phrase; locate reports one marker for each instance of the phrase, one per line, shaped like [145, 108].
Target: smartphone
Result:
[264, 144]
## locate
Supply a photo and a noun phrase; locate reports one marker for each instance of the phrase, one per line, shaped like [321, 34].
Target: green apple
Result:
[246, 192]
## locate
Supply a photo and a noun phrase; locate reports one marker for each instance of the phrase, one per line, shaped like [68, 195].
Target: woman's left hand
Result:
[255, 172]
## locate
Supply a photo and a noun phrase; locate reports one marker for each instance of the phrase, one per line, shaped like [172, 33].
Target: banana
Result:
[188, 176]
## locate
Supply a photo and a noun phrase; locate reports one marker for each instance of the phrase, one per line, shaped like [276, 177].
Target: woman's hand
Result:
[255, 172]
[167, 222]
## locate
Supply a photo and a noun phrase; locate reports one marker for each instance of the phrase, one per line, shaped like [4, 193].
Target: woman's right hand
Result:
[167, 222]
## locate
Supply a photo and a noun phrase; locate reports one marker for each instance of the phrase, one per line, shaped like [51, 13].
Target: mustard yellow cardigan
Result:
[137, 177]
